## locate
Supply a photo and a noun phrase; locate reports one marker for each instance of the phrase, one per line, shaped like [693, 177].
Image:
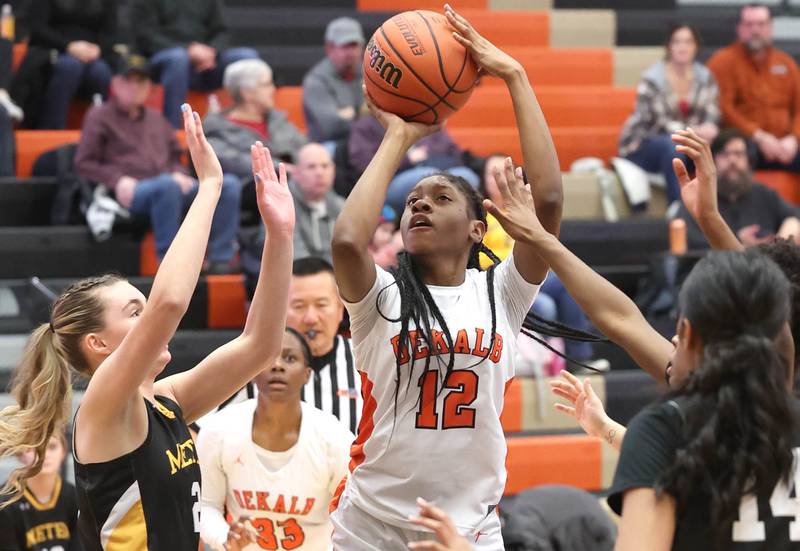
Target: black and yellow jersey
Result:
[148, 499]
[29, 525]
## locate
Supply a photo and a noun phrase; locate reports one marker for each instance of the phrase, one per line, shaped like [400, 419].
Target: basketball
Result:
[414, 68]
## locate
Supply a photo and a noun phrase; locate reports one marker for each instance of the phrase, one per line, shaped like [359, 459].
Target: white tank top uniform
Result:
[442, 444]
[285, 494]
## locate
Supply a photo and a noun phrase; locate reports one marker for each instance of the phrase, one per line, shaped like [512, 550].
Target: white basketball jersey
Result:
[443, 442]
[289, 506]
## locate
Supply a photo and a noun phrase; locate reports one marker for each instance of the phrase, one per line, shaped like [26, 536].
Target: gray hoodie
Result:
[312, 234]
[232, 141]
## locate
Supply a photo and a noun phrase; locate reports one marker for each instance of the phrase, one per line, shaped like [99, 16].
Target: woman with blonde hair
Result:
[136, 468]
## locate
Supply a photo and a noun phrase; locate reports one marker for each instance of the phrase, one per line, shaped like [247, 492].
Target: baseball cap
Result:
[133, 64]
[387, 214]
[344, 30]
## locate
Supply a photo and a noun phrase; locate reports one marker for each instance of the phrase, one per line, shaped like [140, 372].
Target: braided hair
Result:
[734, 405]
[418, 306]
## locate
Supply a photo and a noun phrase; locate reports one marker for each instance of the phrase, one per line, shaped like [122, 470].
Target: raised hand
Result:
[205, 161]
[517, 216]
[413, 131]
[699, 194]
[586, 407]
[488, 56]
[275, 203]
[435, 519]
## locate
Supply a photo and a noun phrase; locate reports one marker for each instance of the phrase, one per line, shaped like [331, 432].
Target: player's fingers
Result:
[572, 379]
[282, 175]
[572, 398]
[502, 184]
[689, 139]
[429, 523]
[566, 409]
[587, 388]
[565, 386]
[680, 171]
[494, 210]
[693, 153]
[426, 546]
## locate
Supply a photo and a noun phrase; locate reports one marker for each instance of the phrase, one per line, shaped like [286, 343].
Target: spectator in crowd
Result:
[760, 90]
[386, 241]
[673, 93]
[754, 212]
[133, 151]
[9, 111]
[432, 154]
[553, 302]
[316, 204]
[83, 34]
[316, 312]
[188, 42]
[253, 117]
[46, 516]
[332, 95]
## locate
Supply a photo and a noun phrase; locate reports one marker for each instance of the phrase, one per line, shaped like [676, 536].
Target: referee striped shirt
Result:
[334, 386]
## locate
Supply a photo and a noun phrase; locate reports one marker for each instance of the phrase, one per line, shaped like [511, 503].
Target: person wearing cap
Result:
[332, 95]
[133, 151]
[386, 241]
[188, 42]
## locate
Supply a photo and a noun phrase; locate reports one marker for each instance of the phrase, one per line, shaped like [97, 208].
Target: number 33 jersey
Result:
[284, 494]
[432, 436]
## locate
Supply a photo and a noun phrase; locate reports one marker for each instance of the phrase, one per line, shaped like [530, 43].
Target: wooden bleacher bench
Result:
[32, 143]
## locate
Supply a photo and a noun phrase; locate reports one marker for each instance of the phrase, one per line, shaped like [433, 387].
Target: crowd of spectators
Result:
[750, 87]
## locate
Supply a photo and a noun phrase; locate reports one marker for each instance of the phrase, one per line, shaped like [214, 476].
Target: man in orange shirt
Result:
[760, 90]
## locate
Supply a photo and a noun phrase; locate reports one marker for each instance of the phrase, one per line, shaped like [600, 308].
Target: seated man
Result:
[332, 95]
[253, 117]
[316, 206]
[756, 213]
[133, 151]
[759, 88]
[188, 43]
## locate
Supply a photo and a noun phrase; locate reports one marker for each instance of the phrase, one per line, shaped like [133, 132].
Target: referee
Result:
[316, 312]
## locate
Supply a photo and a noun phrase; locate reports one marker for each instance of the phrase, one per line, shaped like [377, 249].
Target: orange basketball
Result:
[414, 68]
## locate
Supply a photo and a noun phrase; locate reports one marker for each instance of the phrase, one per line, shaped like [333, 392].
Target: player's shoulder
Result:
[325, 427]
[229, 416]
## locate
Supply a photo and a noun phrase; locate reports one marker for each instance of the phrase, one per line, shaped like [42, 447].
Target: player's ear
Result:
[307, 375]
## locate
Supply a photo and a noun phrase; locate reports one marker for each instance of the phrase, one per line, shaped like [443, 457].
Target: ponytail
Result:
[42, 382]
[43, 392]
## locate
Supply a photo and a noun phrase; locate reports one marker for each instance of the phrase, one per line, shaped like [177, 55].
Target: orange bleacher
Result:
[575, 460]
[404, 5]
[571, 143]
[562, 105]
[32, 143]
[18, 52]
[787, 184]
[564, 66]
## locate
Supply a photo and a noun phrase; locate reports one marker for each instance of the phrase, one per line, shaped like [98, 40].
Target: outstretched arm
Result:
[539, 153]
[113, 387]
[231, 366]
[587, 409]
[699, 194]
[352, 262]
[607, 307]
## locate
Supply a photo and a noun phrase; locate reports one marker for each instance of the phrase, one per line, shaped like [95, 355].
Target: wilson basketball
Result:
[414, 68]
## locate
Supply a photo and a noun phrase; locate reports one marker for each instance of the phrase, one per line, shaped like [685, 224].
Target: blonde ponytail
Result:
[42, 382]
[43, 393]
